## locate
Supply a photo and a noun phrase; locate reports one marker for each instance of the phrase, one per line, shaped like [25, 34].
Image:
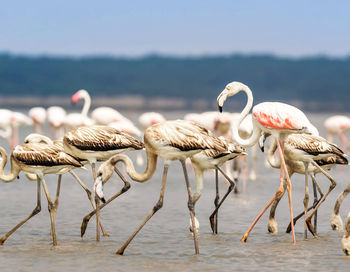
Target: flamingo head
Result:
[78, 95]
[230, 90]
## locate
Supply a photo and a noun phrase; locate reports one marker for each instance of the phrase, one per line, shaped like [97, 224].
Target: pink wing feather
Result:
[276, 115]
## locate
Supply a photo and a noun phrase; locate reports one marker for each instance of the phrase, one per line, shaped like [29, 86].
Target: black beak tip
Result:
[262, 149]
[220, 108]
[103, 200]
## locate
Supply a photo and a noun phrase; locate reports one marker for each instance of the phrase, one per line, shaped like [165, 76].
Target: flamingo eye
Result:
[228, 87]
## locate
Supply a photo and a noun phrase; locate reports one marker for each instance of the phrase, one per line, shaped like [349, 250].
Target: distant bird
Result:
[74, 120]
[56, 116]
[106, 115]
[345, 241]
[306, 154]
[5, 125]
[98, 143]
[276, 118]
[18, 119]
[38, 115]
[37, 159]
[171, 140]
[148, 119]
[337, 125]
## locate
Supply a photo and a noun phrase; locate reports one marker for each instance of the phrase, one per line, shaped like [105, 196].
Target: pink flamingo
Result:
[275, 118]
[75, 119]
[337, 125]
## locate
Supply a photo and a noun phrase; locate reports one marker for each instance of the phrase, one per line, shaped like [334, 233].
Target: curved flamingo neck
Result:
[87, 104]
[271, 157]
[256, 130]
[14, 168]
[139, 177]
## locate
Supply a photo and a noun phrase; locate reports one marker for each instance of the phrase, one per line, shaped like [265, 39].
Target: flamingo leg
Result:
[289, 228]
[191, 207]
[158, 205]
[58, 190]
[125, 188]
[336, 221]
[52, 210]
[236, 168]
[272, 224]
[331, 187]
[306, 198]
[278, 194]
[218, 205]
[36, 210]
[97, 205]
[89, 194]
[289, 184]
[214, 221]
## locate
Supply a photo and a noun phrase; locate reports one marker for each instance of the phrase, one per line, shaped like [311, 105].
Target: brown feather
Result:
[43, 155]
[101, 138]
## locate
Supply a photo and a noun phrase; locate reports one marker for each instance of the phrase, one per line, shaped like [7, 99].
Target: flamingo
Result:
[106, 115]
[74, 120]
[6, 118]
[38, 138]
[18, 119]
[337, 125]
[276, 118]
[213, 159]
[336, 221]
[38, 115]
[345, 241]
[306, 154]
[40, 160]
[170, 140]
[98, 143]
[146, 120]
[56, 117]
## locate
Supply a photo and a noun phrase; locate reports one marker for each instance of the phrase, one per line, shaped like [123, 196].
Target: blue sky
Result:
[133, 28]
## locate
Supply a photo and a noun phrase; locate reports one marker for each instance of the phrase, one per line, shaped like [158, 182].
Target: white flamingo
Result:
[38, 115]
[56, 116]
[306, 154]
[337, 125]
[40, 160]
[74, 120]
[98, 143]
[171, 140]
[275, 118]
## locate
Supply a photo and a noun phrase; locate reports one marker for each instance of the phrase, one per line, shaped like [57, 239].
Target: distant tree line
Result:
[310, 80]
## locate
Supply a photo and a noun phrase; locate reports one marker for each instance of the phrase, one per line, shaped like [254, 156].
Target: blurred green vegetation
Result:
[313, 79]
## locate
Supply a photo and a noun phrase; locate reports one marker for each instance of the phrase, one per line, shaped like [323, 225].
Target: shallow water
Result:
[165, 243]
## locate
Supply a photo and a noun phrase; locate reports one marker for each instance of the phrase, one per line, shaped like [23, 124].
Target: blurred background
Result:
[160, 55]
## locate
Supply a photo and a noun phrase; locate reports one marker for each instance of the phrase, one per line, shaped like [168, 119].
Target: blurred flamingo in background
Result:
[75, 119]
[146, 120]
[56, 117]
[18, 119]
[337, 125]
[38, 115]
[5, 125]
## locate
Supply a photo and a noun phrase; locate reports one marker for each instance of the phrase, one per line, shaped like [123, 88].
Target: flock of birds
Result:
[106, 134]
